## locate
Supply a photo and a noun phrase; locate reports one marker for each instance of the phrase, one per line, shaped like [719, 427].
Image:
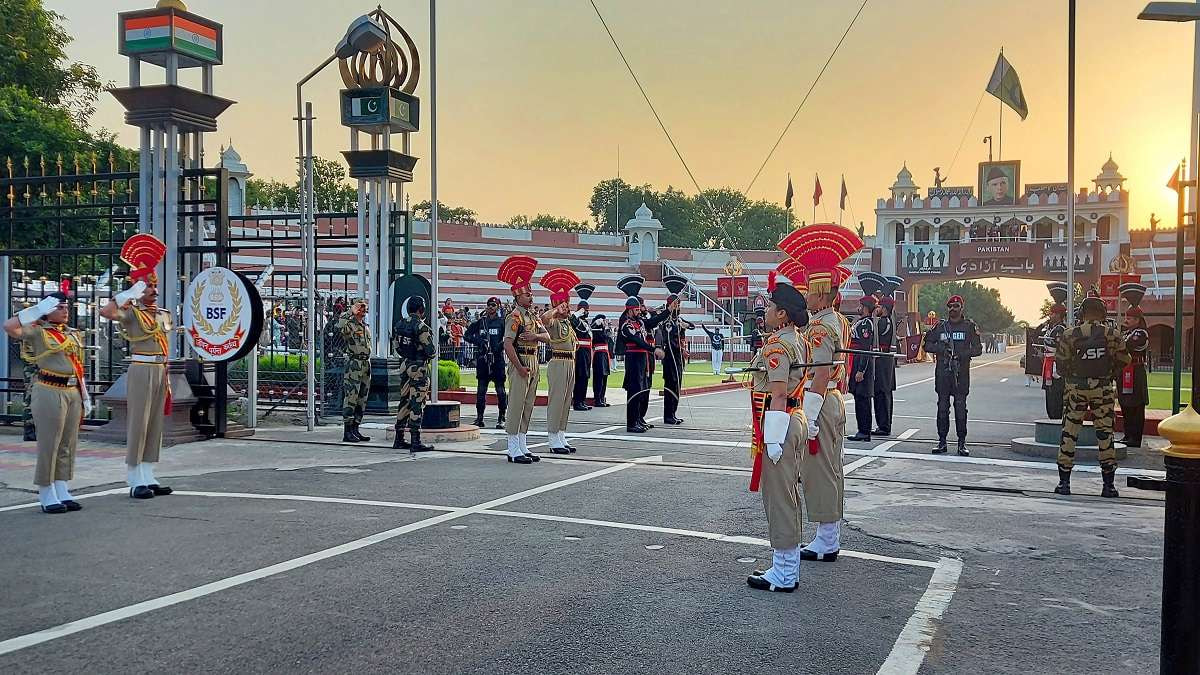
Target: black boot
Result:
[1064, 482]
[500, 420]
[348, 435]
[478, 420]
[357, 433]
[1109, 490]
[941, 448]
[962, 448]
[400, 443]
[30, 433]
[417, 445]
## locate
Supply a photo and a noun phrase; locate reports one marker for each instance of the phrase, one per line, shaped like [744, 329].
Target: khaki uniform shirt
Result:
[825, 337]
[521, 320]
[782, 348]
[145, 329]
[48, 353]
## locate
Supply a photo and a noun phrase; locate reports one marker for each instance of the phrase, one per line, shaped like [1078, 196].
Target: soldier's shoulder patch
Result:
[773, 361]
[516, 324]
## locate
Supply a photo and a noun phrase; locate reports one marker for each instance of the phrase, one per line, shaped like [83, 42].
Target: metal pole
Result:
[1177, 361]
[1195, 396]
[433, 200]
[6, 311]
[171, 230]
[252, 386]
[307, 225]
[1070, 163]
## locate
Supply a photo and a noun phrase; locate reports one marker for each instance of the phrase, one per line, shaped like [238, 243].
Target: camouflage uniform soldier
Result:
[1089, 357]
[30, 371]
[413, 342]
[356, 384]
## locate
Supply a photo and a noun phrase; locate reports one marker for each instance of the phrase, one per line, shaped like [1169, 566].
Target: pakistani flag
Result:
[1006, 86]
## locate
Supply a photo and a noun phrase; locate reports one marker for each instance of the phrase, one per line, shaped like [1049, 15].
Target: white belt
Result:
[147, 358]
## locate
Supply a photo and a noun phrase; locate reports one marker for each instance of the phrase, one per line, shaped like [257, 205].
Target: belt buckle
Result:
[72, 382]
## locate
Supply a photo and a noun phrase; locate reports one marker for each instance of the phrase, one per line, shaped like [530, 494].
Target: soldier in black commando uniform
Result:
[487, 334]
[955, 341]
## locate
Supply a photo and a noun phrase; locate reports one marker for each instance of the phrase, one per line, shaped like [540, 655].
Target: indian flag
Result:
[148, 34]
[195, 39]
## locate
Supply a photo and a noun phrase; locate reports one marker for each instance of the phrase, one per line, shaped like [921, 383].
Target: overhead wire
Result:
[965, 132]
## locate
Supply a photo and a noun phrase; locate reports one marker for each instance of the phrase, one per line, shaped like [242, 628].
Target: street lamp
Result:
[1179, 650]
[363, 35]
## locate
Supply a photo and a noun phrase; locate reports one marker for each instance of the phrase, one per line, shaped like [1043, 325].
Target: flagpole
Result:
[1000, 152]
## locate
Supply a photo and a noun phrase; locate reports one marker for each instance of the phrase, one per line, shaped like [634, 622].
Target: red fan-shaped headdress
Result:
[559, 282]
[821, 250]
[517, 271]
[143, 252]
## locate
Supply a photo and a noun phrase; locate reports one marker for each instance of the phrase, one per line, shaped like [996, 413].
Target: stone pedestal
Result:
[385, 386]
[177, 427]
[440, 415]
[1048, 435]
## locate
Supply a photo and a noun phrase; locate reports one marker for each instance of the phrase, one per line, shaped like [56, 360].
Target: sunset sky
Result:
[534, 101]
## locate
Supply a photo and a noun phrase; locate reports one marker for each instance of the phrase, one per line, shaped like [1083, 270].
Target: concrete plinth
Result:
[177, 427]
[458, 434]
[1050, 431]
[385, 386]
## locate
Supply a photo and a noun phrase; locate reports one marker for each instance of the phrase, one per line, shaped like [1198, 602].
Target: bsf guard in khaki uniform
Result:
[522, 333]
[820, 249]
[780, 432]
[1090, 357]
[414, 344]
[356, 383]
[58, 396]
[560, 372]
[146, 328]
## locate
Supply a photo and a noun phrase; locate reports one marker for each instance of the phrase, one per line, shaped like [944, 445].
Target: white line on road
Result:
[114, 491]
[1003, 379]
[104, 618]
[881, 448]
[918, 633]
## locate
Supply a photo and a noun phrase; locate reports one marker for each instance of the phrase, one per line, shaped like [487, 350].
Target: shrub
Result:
[449, 376]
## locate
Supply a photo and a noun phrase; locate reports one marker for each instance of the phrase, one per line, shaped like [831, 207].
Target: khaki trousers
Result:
[561, 375]
[821, 474]
[57, 412]
[521, 395]
[780, 492]
[147, 393]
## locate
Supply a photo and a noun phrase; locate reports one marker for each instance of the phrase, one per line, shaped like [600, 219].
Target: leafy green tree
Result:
[604, 203]
[677, 212]
[446, 214]
[330, 189]
[983, 304]
[33, 57]
[545, 221]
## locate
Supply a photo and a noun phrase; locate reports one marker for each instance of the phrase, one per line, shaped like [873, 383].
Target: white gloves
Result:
[30, 314]
[87, 405]
[775, 428]
[812, 409]
[133, 293]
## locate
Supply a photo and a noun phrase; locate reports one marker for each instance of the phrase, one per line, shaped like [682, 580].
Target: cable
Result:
[965, 132]
[805, 99]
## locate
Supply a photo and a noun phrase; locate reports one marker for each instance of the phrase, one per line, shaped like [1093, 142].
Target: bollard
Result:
[1180, 642]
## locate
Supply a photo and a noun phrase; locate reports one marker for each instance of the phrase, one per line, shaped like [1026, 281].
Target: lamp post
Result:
[1179, 650]
[364, 34]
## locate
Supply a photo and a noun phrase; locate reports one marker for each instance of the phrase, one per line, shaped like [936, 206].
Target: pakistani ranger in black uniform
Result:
[861, 369]
[671, 339]
[1133, 392]
[583, 347]
[487, 334]
[885, 368]
[602, 348]
[633, 343]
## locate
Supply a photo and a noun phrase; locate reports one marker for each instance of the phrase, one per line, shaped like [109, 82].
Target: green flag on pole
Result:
[1006, 86]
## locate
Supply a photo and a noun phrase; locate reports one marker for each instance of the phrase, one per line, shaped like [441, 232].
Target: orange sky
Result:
[533, 100]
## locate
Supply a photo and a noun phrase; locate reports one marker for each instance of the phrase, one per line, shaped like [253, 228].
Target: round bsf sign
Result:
[222, 314]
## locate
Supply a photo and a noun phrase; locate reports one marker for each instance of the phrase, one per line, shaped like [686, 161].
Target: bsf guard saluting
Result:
[885, 368]
[1090, 356]
[954, 341]
[487, 334]
[602, 345]
[522, 333]
[583, 347]
[820, 249]
[1133, 391]
[414, 344]
[356, 383]
[59, 395]
[560, 372]
[861, 369]
[146, 328]
[781, 432]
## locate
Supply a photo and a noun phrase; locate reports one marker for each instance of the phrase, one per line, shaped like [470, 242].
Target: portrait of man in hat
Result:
[999, 182]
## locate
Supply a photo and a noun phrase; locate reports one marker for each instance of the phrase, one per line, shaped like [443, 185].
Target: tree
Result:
[446, 214]
[330, 189]
[761, 226]
[33, 57]
[604, 203]
[676, 211]
[716, 210]
[982, 304]
[545, 221]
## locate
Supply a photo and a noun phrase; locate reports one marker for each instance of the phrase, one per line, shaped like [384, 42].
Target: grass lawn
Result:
[1160, 389]
[694, 375]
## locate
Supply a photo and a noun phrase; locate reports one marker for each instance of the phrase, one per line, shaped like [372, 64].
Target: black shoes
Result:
[1109, 490]
[858, 437]
[962, 448]
[359, 435]
[140, 492]
[560, 451]
[571, 448]
[400, 443]
[761, 584]
[1064, 482]
[881, 432]
[72, 505]
[806, 554]
[54, 508]
[941, 448]
[673, 420]
[646, 424]
[417, 445]
[581, 407]
[31, 436]
[532, 457]
[350, 433]
[523, 459]
[635, 429]
[158, 490]
[603, 404]
[478, 421]
[500, 422]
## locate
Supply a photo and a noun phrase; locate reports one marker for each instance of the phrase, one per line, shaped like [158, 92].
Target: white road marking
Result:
[918, 633]
[114, 491]
[1003, 380]
[104, 618]
[882, 447]
[978, 365]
